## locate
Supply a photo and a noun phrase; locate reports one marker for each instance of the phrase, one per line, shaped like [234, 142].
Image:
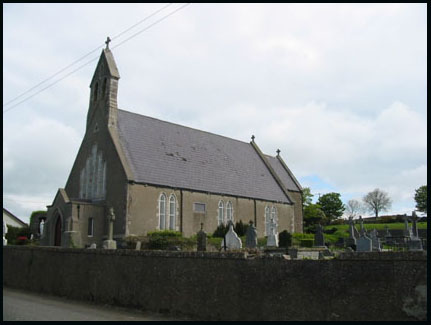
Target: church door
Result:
[57, 238]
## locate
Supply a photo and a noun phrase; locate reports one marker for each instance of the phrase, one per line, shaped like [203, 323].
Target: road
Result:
[21, 305]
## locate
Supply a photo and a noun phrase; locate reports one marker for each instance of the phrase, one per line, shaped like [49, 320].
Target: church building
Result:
[158, 175]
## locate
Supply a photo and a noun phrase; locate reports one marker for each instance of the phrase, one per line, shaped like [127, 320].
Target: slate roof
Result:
[287, 180]
[167, 154]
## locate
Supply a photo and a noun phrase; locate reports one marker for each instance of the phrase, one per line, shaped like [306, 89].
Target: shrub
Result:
[13, 233]
[284, 239]
[240, 228]
[220, 231]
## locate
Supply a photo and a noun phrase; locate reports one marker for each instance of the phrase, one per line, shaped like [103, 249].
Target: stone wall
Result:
[228, 286]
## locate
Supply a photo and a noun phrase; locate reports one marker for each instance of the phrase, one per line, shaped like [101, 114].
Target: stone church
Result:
[158, 175]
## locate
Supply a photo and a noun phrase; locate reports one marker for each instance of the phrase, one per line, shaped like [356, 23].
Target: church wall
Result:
[143, 210]
[116, 180]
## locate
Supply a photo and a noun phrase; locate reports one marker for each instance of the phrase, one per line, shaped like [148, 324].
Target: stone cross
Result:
[318, 236]
[111, 219]
[414, 226]
[108, 40]
[202, 240]
[375, 241]
[251, 236]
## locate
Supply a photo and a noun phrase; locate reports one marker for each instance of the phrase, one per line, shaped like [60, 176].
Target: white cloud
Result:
[339, 88]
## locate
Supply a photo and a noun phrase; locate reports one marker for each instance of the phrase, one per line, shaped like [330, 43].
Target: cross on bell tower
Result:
[108, 40]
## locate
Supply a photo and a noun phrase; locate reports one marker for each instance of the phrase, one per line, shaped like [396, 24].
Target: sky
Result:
[340, 89]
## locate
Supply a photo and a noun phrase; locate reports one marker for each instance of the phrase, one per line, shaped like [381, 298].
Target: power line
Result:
[81, 58]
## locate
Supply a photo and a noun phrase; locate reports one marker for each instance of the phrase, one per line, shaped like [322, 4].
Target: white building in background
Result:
[12, 220]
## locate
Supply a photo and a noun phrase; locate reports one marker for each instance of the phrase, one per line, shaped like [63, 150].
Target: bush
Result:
[338, 222]
[168, 240]
[220, 231]
[240, 228]
[13, 233]
[284, 239]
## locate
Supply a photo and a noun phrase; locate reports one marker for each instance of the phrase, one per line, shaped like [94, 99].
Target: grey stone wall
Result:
[223, 286]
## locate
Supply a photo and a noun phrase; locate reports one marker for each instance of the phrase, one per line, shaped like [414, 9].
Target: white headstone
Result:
[93, 246]
[272, 240]
[232, 239]
[138, 245]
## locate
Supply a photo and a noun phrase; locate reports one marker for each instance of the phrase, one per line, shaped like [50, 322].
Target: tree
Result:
[331, 205]
[377, 201]
[353, 207]
[313, 215]
[306, 196]
[421, 199]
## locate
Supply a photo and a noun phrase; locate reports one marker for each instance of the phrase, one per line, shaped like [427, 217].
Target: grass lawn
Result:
[342, 230]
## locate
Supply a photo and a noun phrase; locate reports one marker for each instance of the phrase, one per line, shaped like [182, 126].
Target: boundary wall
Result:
[229, 286]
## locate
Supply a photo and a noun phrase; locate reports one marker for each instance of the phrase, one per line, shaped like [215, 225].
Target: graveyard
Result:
[295, 277]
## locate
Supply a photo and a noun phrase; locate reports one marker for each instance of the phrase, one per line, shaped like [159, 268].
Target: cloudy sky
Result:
[340, 89]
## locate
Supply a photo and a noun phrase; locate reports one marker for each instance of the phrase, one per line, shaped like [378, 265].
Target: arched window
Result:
[96, 90]
[162, 211]
[220, 217]
[267, 220]
[229, 212]
[172, 211]
[104, 87]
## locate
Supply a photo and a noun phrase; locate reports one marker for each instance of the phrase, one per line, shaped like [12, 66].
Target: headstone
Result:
[251, 236]
[4, 233]
[351, 241]
[415, 244]
[272, 240]
[232, 239]
[202, 240]
[319, 240]
[375, 241]
[92, 246]
[138, 245]
[388, 237]
[407, 231]
[364, 244]
[110, 243]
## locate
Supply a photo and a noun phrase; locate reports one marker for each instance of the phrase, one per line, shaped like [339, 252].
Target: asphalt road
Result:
[28, 306]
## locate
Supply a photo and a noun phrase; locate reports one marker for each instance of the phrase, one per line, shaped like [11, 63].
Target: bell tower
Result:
[104, 89]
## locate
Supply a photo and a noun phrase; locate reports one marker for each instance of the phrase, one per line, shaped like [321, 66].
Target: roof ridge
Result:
[184, 126]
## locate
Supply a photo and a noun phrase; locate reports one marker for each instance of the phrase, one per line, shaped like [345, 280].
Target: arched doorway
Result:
[57, 237]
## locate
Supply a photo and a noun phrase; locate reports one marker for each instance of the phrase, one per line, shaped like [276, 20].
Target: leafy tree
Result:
[421, 199]
[353, 207]
[313, 215]
[331, 205]
[306, 196]
[377, 201]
